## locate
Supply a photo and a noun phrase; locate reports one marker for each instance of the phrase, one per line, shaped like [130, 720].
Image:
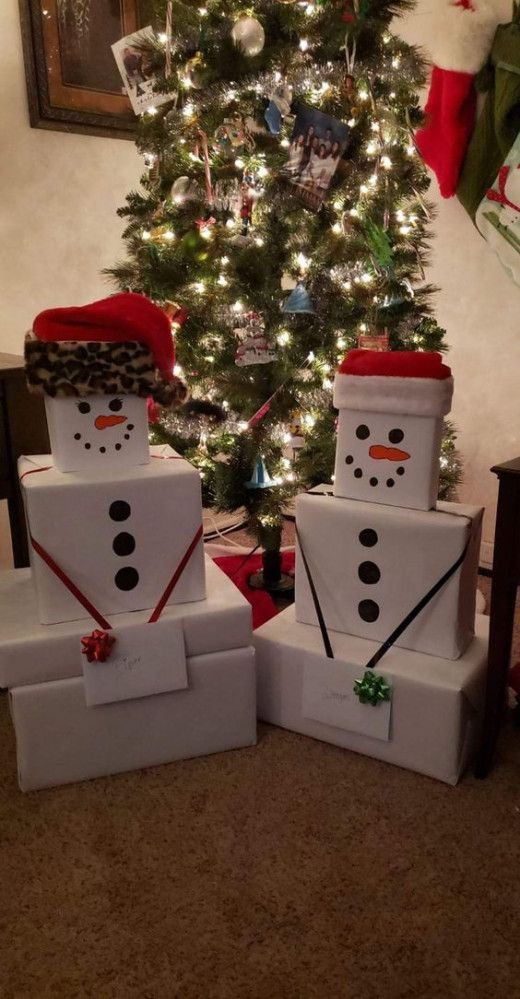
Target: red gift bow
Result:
[97, 646]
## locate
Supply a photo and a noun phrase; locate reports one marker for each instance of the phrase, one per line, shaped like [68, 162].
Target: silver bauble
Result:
[184, 189]
[249, 34]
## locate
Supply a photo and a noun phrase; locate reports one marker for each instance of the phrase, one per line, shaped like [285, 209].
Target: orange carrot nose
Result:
[102, 422]
[390, 453]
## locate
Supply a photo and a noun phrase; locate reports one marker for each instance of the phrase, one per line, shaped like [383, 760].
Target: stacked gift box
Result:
[121, 647]
[380, 653]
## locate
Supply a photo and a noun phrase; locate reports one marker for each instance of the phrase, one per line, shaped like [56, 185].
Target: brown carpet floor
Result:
[293, 870]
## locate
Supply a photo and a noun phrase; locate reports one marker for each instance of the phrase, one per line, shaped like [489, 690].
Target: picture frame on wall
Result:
[73, 82]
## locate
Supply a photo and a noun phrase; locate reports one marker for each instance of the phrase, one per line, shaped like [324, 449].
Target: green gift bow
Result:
[372, 689]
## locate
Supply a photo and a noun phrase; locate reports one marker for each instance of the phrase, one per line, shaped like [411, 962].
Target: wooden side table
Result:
[23, 430]
[506, 579]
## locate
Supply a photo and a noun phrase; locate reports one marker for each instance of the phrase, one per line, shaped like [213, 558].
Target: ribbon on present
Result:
[402, 626]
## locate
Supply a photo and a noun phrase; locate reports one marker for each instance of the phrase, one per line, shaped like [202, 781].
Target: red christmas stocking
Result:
[460, 40]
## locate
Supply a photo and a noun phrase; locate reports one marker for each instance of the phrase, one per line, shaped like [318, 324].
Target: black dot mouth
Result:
[374, 481]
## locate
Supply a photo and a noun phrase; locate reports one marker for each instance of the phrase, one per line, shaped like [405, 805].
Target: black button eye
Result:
[362, 432]
[84, 407]
[395, 436]
[115, 405]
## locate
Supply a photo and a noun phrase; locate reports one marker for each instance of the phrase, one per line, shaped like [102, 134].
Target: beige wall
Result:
[60, 192]
[58, 224]
[59, 228]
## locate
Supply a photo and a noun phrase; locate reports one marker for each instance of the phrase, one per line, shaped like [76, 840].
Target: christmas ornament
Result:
[278, 108]
[226, 196]
[97, 646]
[253, 347]
[247, 200]
[299, 301]
[260, 478]
[249, 34]
[295, 430]
[349, 15]
[232, 137]
[153, 411]
[204, 225]
[372, 689]
[459, 38]
[176, 313]
[374, 341]
[184, 189]
[135, 67]
[273, 117]
[196, 71]
[162, 234]
[318, 142]
[169, 33]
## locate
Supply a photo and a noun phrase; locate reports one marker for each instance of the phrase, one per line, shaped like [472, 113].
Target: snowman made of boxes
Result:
[379, 653]
[131, 650]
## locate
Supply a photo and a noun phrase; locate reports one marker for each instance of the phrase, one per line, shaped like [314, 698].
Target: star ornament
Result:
[97, 646]
[372, 689]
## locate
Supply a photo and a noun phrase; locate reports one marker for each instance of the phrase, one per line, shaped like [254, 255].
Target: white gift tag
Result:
[328, 696]
[145, 659]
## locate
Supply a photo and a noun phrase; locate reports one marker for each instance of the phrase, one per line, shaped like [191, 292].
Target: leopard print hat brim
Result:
[79, 368]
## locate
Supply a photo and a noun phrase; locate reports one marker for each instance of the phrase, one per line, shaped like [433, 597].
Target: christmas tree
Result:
[282, 221]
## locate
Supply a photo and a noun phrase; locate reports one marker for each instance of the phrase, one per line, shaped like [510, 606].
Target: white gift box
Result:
[371, 564]
[60, 740]
[431, 724]
[118, 534]
[31, 652]
[388, 458]
[97, 432]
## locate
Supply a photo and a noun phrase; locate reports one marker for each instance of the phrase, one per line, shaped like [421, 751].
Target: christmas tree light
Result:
[236, 240]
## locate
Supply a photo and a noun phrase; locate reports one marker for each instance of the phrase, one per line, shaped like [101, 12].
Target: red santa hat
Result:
[460, 36]
[413, 383]
[118, 345]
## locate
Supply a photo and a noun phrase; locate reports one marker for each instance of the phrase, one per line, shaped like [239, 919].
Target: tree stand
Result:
[270, 577]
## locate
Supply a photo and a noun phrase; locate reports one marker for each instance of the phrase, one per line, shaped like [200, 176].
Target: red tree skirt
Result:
[239, 571]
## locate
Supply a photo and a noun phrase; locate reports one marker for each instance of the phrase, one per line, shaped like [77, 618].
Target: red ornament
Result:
[176, 313]
[153, 410]
[349, 15]
[97, 646]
